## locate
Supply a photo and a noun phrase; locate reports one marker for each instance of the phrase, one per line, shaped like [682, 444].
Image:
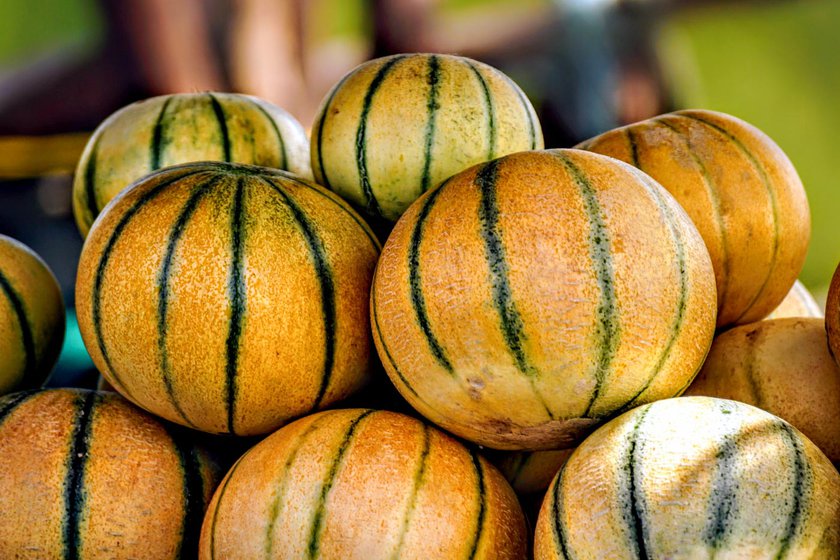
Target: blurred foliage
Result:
[776, 66]
[29, 28]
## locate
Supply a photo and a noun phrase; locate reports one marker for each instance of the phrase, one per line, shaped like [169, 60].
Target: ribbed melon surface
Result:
[397, 126]
[87, 475]
[530, 298]
[362, 484]
[180, 128]
[228, 298]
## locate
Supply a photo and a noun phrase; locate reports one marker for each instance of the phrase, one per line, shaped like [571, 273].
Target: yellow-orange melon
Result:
[394, 127]
[31, 318]
[693, 477]
[179, 128]
[530, 298]
[832, 316]
[228, 298]
[798, 303]
[782, 366]
[741, 191]
[87, 475]
[362, 484]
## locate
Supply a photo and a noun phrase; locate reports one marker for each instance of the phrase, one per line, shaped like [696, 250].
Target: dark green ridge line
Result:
[27, 339]
[278, 501]
[375, 321]
[156, 147]
[513, 329]
[526, 106]
[220, 495]
[716, 204]
[482, 505]
[752, 356]
[237, 292]
[634, 512]
[634, 148]
[281, 143]
[74, 492]
[223, 128]
[323, 271]
[510, 321]
[774, 204]
[320, 511]
[722, 503]
[193, 496]
[319, 135]
[682, 303]
[491, 112]
[419, 475]
[102, 267]
[600, 251]
[431, 108]
[417, 300]
[801, 496]
[558, 528]
[175, 234]
[371, 204]
[90, 181]
[335, 199]
[13, 401]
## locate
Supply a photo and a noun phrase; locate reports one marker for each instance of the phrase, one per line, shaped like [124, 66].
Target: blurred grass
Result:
[29, 28]
[777, 66]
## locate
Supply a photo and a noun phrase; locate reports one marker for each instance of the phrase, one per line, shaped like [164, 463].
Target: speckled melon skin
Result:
[31, 318]
[180, 128]
[394, 127]
[87, 475]
[362, 484]
[529, 299]
[798, 303]
[693, 477]
[228, 298]
[741, 191]
[782, 366]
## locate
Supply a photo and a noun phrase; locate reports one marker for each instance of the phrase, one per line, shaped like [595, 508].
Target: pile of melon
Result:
[539, 313]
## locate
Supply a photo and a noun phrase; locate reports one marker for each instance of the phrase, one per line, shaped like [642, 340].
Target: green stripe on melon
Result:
[397, 126]
[172, 129]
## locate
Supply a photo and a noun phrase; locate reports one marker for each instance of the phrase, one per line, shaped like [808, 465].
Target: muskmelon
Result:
[832, 315]
[395, 127]
[798, 303]
[529, 472]
[741, 191]
[181, 128]
[693, 477]
[87, 475]
[31, 318]
[529, 298]
[228, 298]
[362, 484]
[782, 366]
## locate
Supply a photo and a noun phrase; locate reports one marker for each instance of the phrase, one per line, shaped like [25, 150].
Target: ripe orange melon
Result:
[31, 318]
[782, 366]
[228, 298]
[798, 303]
[693, 477]
[180, 128]
[741, 191]
[394, 127]
[87, 475]
[362, 484]
[832, 316]
[530, 298]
